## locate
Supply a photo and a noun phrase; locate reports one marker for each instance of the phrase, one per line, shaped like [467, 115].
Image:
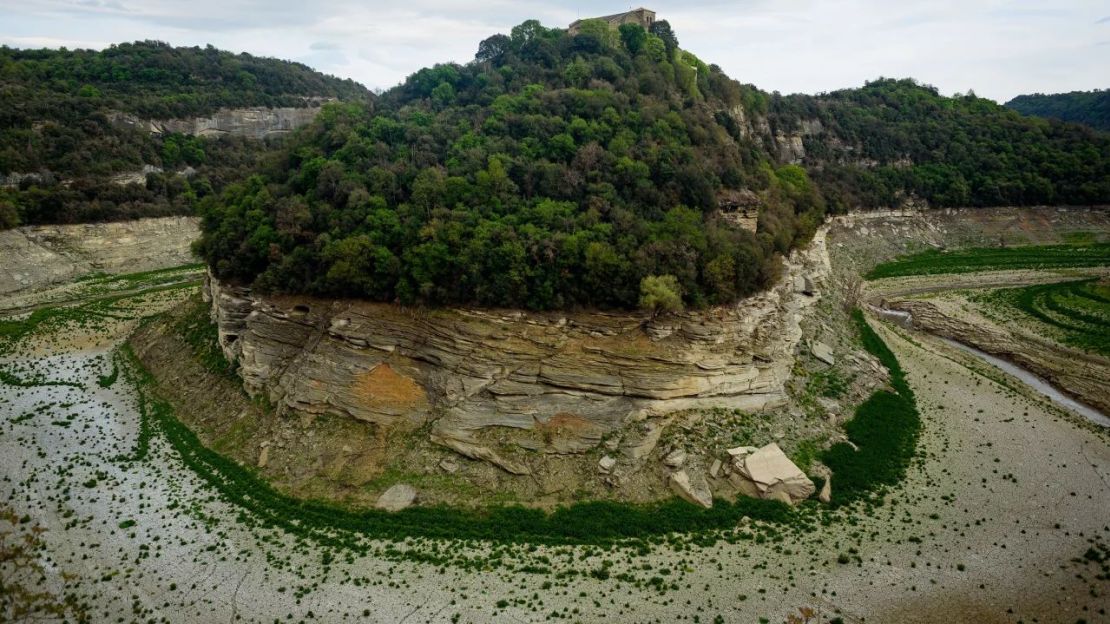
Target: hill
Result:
[1091, 108]
[894, 138]
[607, 169]
[61, 140]
[553, 171]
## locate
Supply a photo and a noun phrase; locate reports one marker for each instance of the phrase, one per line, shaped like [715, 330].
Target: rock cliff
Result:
[572, 378]
[255, 123]
[37, 256]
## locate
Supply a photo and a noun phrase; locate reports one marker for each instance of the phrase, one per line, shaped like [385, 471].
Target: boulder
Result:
[675, 458]
[693, 492]
[741, 451]
[449, 465]
[606, 464]
[397, 497]
[825, 495]
[822, 352]
[715, 468]
[769, 473]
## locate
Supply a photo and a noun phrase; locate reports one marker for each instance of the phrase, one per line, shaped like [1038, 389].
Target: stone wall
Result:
[575, 376]
[37, 256]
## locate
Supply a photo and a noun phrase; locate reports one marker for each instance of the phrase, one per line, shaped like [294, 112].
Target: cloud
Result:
[999, 48]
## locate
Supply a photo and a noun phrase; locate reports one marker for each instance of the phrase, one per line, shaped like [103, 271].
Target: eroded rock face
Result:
[1085, 375]
[40, 255]
[255, 123]
[571, 377]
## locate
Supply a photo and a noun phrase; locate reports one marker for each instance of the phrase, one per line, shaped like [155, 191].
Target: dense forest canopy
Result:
[54, 123]
[552, 171]
[896, 137]
[1086, 107]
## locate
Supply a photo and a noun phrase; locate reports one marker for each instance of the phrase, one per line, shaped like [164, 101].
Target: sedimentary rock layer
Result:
[573, 377]
[36, 256]
[1084, 375]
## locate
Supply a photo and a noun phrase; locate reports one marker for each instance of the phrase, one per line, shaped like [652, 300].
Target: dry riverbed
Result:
[991, 524]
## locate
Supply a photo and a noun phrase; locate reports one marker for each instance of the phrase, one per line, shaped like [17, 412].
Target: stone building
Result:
[643, 17]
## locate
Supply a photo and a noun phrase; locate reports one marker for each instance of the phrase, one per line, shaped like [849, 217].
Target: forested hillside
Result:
[560, 170]
[896, 137]
[1086, 107]
[55, 108]
[553, 171]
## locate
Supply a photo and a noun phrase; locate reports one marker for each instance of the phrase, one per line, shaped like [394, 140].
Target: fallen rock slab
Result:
[399, 496]
[822, 352]
[693, 492]
[771, 475]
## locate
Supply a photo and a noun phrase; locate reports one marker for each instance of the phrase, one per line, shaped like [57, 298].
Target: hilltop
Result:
[553, 171]
[611, 168]
[1090, 108]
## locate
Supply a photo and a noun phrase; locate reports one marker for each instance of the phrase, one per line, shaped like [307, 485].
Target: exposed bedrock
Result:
[255, 123]
[1084, 375]
[573, 378]
[39, 255]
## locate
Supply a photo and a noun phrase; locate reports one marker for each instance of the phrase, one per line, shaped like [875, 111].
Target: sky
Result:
[997, 48]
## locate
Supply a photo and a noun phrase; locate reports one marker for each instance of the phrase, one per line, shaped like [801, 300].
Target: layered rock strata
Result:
[572, 378]
[37, 256]
[255, 123]
[1084, 375]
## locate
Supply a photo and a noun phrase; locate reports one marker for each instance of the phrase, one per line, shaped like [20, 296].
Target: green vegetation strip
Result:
[1080, 310]
[935, 262]
[14, 330]
[11, 379]
[884, 428]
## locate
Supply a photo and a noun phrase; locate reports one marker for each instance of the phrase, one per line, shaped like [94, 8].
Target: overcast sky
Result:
[997, 48]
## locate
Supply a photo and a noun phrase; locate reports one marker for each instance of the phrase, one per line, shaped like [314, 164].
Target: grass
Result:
[1079, 311]
[935, 262]
[884, 428]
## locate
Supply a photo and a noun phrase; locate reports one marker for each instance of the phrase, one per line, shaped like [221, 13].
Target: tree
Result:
[633, 36]
[493, 48]
[662, 29]
[9, 216]
[660, 293]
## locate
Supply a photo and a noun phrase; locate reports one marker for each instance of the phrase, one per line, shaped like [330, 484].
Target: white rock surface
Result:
[675, 459]
[397, 497]
[822, 352]
[606, 464]
[696, 492]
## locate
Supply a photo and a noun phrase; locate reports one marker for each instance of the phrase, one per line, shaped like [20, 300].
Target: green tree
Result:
[660, 293]
[633, 36]
[662, 29]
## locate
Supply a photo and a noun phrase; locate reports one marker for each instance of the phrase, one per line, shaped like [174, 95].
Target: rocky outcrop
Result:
[256, 123]
[37, 256]
[1084, 375]
[768, 473]
[572, 378]
[790, 146]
